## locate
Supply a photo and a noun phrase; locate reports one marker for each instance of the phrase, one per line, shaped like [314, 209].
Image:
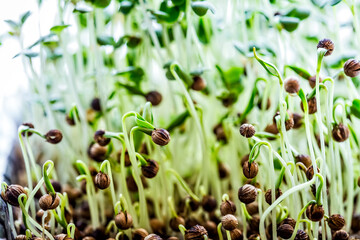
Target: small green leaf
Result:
[74, 113]
[12, 23]
[83, 9]
[233, 74]
[58, 28]
[59, 108]
[27, 53]
[319, 3]
[312, 38]
[298, 12]
[178, 2]
[101, 3]
[300, 71]
[120, 42]
[134, 72]
[56, 54]
[173, 13]
[334, 2]
[355, 108]
[289, 23]
[204, 30]
[179, 120]
[45, 38]
[251, 14]
[126, 6]
[31, 54]
[277, 164]
[201, 7]
[132, 89]
[141, 122]
[269, 67]
[231, 79]
[51, 44]
[303, 99]
[112, 95]
[24, 17]
[160, 15]
[105, 40]
[54, 100]
[133, 41]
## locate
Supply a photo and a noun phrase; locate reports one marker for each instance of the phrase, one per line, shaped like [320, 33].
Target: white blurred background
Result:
[13, 81]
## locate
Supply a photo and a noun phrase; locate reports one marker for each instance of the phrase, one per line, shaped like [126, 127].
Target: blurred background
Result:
[14, 83]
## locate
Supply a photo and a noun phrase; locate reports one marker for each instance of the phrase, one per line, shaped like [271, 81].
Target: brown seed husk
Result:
[229, 222]
[247, 194]
[250, 170]
[123, 220]
[227, 207]
[196, 232]
[49, 202]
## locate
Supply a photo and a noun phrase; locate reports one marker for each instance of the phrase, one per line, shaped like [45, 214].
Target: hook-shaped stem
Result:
[182, 229]
[225, 197]
[219, 226]
[143, 162]
[111, 225]
[183, 184]
[28, 221]
[46, 170]
[280, 178]
[106, 167]
[171, 206]
[299, 217]
[71, 230]
[318, 191]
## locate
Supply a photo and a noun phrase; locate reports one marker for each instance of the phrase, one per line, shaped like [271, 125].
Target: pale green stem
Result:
[32, 160]
[144, 218]
[281, 198]
[272, 182]
[106, 165]
[71, 230]
[320, 55]
[30, 221]
[283, 163]
[349, 178]
[171, 206]
[183, 184]
[299, 217]
[90, 190]
[197, 122]
[182, 230]
[27, 166]
[219, 226]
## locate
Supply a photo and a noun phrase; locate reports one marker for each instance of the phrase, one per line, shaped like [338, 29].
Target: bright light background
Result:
[13, 81]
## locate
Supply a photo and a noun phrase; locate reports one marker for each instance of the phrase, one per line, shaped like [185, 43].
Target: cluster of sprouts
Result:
[184, 119]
